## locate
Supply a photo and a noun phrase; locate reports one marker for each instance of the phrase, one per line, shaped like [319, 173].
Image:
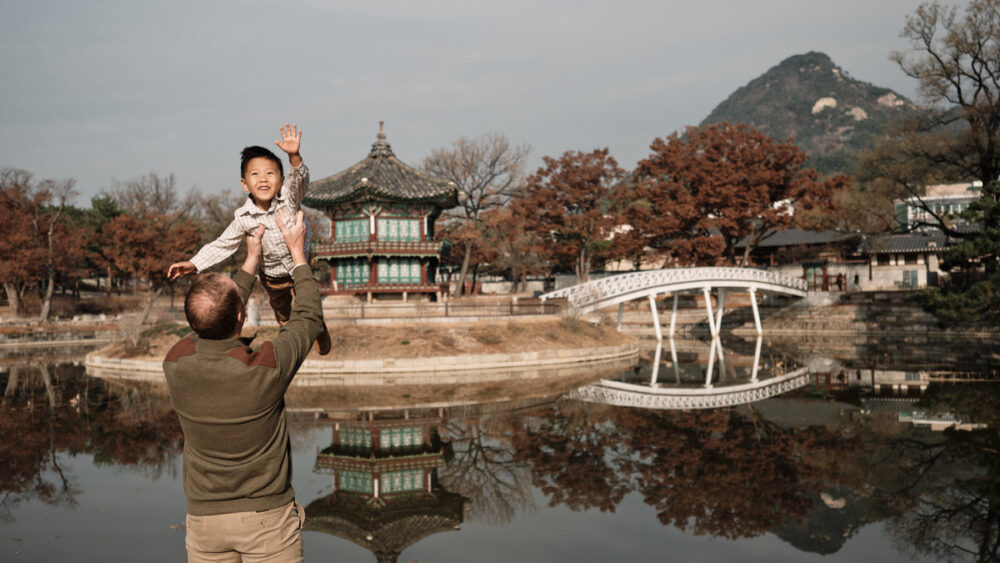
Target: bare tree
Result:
[154, 194]
[955, 57]
[487, 172]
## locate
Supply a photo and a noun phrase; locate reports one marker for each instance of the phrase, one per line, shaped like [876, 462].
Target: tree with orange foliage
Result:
[38, 245]
[516, 248]
[573, 201]
[145, 246]
[699, 194]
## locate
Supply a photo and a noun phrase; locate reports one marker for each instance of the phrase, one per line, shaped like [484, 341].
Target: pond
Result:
[870, 450]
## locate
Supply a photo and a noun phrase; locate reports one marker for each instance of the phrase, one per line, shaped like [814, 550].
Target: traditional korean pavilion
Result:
[386, 495]
[382, 215]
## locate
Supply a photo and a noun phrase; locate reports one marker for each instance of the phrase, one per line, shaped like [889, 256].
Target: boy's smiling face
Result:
[262, 180]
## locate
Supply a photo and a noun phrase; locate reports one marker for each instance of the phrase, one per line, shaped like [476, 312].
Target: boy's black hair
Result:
[255, 151]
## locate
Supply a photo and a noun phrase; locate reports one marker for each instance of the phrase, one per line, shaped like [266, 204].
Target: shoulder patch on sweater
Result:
[263, 357]
[184, 347]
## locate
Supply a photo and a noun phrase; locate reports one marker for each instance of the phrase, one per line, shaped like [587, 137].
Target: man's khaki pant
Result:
[272, 535]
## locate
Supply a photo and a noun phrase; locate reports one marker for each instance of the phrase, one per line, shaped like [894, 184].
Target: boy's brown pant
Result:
[280, 292]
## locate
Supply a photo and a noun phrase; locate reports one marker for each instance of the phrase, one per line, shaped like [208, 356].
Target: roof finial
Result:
[381, 147]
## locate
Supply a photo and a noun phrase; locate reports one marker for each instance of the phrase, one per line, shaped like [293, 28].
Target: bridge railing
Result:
[595, 291]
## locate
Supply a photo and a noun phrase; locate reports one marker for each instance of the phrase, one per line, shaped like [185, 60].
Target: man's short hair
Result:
[212, 306]
[250, 153]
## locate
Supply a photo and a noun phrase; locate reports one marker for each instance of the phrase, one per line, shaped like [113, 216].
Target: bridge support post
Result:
[673, 358]
[756, 313]
[673, 316]
[707, 291]
[722, 306]
[756, 360]
[711, 363]
[656, 317]
[656, 364]
[621, 311]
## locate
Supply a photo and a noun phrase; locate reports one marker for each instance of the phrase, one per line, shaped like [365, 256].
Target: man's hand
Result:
[254, 254]
[291, 138]
[181, 269]
[295, 236]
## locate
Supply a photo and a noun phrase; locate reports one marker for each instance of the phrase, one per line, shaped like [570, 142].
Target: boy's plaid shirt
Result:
[277, 260]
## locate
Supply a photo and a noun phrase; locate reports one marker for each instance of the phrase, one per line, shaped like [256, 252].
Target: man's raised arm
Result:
[246, 276]
[297, 336]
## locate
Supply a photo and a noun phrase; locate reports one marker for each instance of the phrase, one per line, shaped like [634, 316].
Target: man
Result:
[230, 401]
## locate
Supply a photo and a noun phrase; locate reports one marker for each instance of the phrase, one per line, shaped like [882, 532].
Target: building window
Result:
[352, 272]
[882, 259]
[356, 437]
[910, 278]
[356, 482]
[399, 270]
[403, 481]
[401, 437]
[351, 231]
[910, 258]
[399, 229]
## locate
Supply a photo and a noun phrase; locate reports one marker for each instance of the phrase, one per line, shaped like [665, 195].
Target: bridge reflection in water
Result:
[679, 394]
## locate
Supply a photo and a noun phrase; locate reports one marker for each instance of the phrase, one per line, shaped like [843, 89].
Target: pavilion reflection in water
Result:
[386, 493]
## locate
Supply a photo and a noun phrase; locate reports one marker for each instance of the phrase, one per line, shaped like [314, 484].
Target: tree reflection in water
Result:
[732, 473]
[941, 490]
[50, 411]
[484, 468]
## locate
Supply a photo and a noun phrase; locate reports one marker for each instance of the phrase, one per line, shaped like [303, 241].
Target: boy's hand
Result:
[295, 236]
[290, 140]
[181, 269]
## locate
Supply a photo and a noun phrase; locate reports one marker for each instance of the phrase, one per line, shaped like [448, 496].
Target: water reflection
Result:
[53, 411]
[386, 492]
[813, 466]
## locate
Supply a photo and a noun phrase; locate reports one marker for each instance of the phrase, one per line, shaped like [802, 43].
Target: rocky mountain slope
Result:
[829, 114]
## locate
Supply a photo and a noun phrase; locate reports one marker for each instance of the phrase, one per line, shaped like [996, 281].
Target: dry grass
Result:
[423, 340]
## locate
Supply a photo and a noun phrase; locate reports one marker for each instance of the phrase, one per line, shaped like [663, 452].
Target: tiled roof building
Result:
[382, 215]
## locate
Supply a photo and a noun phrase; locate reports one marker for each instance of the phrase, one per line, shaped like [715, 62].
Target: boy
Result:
[270, 198]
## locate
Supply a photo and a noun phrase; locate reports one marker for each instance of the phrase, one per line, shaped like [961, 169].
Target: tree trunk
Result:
[13, 298]
[460, 289]
[515, 277]
[109, 280]
[149, 303]
[583, 265]
[47, 300]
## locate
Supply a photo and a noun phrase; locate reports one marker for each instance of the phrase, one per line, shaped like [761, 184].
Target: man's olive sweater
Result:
[230, 401]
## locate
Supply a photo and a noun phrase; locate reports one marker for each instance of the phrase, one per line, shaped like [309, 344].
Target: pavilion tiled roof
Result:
[388, 527]
[381, 177]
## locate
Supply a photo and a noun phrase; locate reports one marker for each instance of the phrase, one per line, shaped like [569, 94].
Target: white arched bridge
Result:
[617, 290]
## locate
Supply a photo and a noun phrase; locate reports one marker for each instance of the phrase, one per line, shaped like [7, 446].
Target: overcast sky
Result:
[109, 90]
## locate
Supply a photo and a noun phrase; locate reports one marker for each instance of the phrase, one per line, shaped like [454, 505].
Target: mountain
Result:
[831, 115]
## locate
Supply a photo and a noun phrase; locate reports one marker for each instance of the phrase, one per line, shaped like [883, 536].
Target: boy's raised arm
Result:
[298, 176]
[291, 139]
